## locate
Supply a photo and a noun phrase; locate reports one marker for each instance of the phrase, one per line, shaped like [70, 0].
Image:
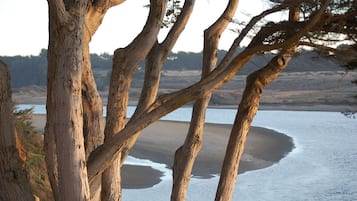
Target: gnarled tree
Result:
[74, 135]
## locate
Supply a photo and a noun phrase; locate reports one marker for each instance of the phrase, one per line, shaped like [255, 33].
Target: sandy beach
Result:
[159, 142]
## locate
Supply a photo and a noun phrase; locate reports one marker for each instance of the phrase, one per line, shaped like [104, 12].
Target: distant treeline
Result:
[32, 70]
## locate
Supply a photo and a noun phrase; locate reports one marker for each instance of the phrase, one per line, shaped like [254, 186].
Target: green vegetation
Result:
[32, 150]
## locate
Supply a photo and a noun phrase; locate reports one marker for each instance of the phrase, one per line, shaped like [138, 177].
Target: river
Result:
[322, 167]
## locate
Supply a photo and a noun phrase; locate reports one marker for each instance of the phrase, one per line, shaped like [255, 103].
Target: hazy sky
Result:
[24, 25]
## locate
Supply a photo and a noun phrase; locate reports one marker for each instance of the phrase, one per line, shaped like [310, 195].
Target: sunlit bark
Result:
[93, 130]
[105, 154]
[71, 86]
[186, 155]
[165, 104]
[125, 63]
[65, 126]
[154, 64]
[255, 84]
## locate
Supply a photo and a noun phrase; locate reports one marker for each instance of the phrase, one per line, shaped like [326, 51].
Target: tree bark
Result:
[105, 154]
[92, 114]
[186, 155]
[125, 63]
[64, 107]
[93, 130]
[92, 103]
[255, 84]
[49, 134]
[14, 183]
[92, 106]
[154, 64]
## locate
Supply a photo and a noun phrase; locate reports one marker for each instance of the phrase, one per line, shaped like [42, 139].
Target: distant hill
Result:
[32, 70]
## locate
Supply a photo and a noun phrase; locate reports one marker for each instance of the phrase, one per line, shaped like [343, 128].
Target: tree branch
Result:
[245, 31]
[293, 34]
[103, 5]
[320, 47]
[60, 10]
[179, 25]
[115, 2]
[103, 156]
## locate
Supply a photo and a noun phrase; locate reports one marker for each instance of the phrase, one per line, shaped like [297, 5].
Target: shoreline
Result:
[318, 107]
[159, 141]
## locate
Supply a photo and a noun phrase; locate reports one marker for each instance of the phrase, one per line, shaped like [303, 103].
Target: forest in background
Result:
[32, 70]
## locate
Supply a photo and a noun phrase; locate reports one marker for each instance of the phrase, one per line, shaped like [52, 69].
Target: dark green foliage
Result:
[31, 70]
[103, 61]
[22, 120]
[27, 70]
[32, 145]
[173, 11]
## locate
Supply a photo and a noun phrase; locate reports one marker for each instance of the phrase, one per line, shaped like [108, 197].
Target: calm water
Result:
[322, 167]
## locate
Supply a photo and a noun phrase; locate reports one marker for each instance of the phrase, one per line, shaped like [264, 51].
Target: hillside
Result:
[32, 70]
[310, 79]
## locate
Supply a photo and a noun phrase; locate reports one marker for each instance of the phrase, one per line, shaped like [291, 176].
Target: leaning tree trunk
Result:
[108, 152]
[92, 104]
[14, 183]
[154, 63]
[255, 84]
[92, 114]
[64, 106]
[125, 63]
[49, 137]
[186, 155]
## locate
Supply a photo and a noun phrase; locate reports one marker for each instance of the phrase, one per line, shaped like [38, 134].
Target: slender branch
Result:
[320, 47]
[106, 4]
[255, 84]
[149, 33]
[293, 34]
[154, 63]
[103, 156]
[115, 2]
[186, 154]
[179, 25]
[244, 32]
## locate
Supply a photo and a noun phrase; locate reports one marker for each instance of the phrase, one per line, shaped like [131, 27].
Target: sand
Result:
[159, 142]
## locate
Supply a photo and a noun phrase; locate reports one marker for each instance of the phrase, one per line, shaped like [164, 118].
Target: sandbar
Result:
[159, 141]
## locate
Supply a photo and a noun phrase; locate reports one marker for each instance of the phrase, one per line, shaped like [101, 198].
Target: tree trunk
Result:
[125, 63]
[92, 104]
[248, 107]
[108, 152]
[65, 102]
[105, 154]
[14, 183]
[255, 84]
[116, 118]
[186, 155]
[49, 134]
[92, 113]
[154, 64]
